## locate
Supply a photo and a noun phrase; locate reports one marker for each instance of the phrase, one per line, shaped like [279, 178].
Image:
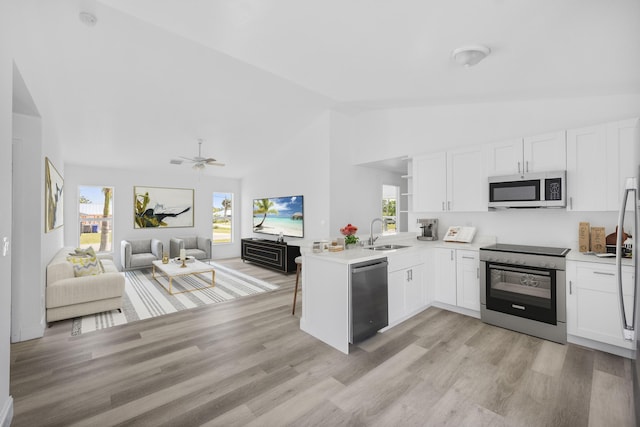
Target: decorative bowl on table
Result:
[188, 259]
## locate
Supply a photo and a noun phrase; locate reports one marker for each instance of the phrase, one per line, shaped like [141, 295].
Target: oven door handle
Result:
[521, 270]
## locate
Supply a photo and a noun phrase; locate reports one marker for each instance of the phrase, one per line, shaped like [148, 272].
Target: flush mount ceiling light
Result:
[89, 19]
[470, 55]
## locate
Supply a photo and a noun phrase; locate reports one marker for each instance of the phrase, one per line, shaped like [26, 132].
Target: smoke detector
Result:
[469, 56]
[88, 19]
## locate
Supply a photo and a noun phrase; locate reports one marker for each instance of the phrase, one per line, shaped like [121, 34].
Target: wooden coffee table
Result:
[175, 269]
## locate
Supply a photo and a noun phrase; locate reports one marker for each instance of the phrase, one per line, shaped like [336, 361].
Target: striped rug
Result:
[145, 297]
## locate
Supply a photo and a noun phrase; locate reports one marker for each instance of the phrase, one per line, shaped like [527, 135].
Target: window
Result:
[222, 218]
[95, 209]
[389, 204]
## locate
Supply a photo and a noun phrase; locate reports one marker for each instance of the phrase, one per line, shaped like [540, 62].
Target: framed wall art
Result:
[162, 207]
[53, 197]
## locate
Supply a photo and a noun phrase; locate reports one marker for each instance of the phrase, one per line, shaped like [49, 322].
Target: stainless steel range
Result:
[522, 288]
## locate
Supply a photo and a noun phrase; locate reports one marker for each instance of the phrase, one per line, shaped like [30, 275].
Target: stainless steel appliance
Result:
[629, 320]
[368, 299]
[529, 190]
[523, 288]
[429, 227]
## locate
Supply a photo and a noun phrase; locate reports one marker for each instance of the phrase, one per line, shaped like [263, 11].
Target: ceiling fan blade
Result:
[216, 164]
[209, 160]
[189, 159]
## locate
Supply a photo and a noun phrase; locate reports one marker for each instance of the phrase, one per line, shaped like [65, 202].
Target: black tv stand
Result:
[270, 254]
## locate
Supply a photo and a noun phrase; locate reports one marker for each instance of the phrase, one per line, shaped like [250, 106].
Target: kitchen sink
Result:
[386, 247]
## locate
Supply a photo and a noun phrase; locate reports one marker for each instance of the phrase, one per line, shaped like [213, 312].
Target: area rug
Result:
[145, 297]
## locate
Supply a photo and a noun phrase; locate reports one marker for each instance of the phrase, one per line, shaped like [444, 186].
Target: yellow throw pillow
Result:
[83, 252]
[84, 265]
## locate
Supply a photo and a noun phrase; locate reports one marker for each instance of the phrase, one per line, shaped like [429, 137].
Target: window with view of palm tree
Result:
[389, 206]
[263, 207]
[95, 214]
[222, 218]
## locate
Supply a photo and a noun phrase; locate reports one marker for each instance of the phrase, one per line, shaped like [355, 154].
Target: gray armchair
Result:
[139, 253]
[197, 247]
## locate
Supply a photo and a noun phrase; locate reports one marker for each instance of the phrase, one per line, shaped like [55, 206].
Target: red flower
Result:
[349, 230]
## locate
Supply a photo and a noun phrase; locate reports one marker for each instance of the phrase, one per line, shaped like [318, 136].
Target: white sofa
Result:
[68, 296]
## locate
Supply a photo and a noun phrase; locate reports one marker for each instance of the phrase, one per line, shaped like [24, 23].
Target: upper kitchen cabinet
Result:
[450, 181]
[541, 153]
[466, 180]
[429, 182]
[505, 157]
[623, 146]
[599, 158]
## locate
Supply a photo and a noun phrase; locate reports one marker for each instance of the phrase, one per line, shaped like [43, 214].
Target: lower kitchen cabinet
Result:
[468, 279]
[456, 277]
[445, 276]
[406, 288]
[593, 308]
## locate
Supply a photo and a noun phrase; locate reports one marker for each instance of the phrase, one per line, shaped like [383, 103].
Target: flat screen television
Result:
[275, 215]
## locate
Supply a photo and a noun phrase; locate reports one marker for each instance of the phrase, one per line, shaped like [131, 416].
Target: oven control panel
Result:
[524, 260]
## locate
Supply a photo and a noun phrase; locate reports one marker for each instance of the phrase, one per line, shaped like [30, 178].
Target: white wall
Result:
[392, 133]
[302, 169]
[356, 191]
[123, 182]
[27, 296]
[385, 134]
[6, 67]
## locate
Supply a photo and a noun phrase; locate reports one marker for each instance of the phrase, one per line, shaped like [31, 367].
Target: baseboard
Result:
[30, 333]
[596, 345]
[456, 309]
[6, 414]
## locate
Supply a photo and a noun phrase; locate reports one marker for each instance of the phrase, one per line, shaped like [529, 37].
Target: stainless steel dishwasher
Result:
[368, 299]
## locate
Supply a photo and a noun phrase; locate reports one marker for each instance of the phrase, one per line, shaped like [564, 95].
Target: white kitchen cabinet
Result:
[593, 308]
[623, 144]
[450, 181]
[504, 157]
[456, 277]
[396, 292]
[429, 182]
[445, 276]
[544, 153]
[406, 294]
[586, 166]
[599, 159]
[540, 153]
[466, 180]
[468, 279]
[414, 289]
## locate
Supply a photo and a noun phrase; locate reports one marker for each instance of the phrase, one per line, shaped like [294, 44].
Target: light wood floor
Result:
[246, 362]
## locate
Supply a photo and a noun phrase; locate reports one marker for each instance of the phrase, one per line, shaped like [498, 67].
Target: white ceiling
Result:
[154, 75]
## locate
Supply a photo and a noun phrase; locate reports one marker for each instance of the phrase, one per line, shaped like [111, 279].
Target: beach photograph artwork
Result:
[277, 215]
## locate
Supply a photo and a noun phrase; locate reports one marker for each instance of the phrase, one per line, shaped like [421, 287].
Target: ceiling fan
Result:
[199, 162]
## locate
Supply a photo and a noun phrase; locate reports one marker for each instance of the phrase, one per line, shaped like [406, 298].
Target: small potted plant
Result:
[349, 233]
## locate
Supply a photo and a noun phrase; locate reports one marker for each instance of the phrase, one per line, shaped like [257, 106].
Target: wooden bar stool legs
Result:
[295, 291]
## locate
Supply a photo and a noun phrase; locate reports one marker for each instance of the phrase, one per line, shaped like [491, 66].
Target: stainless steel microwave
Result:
[529, 190]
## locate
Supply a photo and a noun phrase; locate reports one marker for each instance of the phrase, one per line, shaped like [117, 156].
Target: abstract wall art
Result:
[162, 207]
[53, 197]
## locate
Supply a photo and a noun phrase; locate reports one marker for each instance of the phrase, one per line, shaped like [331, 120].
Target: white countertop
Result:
[575, 255]
[360, 254]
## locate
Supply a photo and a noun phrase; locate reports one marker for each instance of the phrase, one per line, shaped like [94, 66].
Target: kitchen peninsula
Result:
[326, 276]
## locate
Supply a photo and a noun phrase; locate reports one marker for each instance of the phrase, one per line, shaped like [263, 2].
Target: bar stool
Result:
[298, 261]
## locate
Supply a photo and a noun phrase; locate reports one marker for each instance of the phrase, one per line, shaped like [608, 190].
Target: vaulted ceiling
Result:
[152, 76]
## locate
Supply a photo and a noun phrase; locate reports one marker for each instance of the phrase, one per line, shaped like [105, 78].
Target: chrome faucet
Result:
[373, 221]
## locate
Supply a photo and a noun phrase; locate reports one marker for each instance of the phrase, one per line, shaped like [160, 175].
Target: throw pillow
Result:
[84, 252]
[84, 265]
